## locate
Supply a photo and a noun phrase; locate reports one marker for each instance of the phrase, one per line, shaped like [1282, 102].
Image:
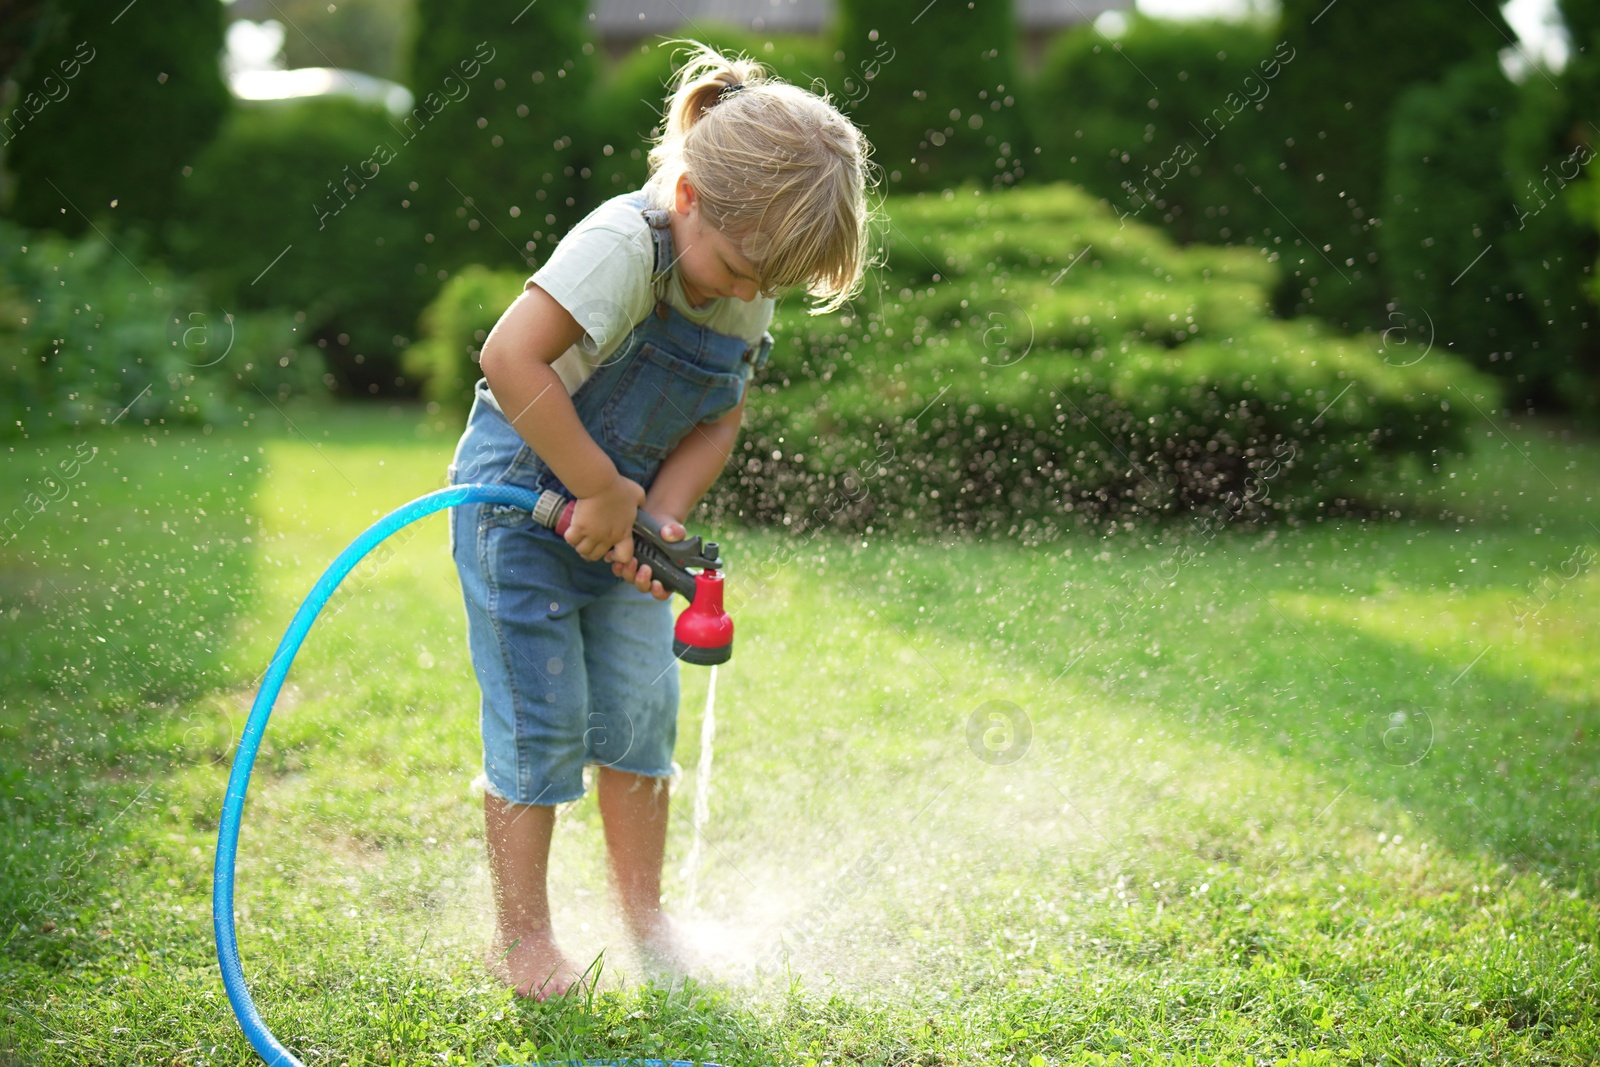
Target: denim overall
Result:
[575, 665]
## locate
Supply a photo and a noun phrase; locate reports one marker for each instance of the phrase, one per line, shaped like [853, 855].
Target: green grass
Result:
[1219, 844]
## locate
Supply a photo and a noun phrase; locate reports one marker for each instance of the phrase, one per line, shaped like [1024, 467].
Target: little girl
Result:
[618, 378]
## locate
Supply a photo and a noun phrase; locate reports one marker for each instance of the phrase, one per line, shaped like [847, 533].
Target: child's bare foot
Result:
[533, 965]
[663, 949]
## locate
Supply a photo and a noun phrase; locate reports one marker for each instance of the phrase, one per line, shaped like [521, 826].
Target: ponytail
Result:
[778, 171]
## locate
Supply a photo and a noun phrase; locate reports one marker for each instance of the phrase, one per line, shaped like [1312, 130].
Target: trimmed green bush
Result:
[1024, 362]
[1580, 81]
[22, 30]
[454, 327]
[371, 36]
[1552, 247]
[1551, 147]
[90, 339]
[297, 181]
[935, 88]
[1183, 137]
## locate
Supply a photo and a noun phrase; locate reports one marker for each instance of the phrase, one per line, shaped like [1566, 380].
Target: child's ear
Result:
[684, 194]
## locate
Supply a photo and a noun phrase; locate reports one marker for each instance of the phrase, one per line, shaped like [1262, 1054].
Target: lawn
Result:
[1323, 793]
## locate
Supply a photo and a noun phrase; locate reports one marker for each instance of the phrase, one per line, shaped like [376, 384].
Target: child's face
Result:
[709, 265]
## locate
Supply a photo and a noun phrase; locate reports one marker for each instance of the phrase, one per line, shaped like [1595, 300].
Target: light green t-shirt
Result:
[601, 273]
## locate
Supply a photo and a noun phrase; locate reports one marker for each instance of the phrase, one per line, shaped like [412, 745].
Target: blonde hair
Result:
[778, 171]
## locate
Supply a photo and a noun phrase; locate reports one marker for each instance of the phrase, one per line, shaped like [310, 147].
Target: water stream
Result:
[702, 790]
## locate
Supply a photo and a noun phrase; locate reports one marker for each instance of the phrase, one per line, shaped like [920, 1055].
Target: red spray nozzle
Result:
[704, 633]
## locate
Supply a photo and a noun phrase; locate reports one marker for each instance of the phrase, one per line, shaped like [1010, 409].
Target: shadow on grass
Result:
[1255, 651]
[120, 594]
[1275, 643]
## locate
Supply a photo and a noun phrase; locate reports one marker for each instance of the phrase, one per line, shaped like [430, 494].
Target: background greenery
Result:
[1117, 145]
[279, 178]
[90, 338]
[1265, 504]
[930, 132]
[509, 151]
[89, 153]
[1312, 146]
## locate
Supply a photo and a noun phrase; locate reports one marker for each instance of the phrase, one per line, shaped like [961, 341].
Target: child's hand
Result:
[604, 522]
[639, 573]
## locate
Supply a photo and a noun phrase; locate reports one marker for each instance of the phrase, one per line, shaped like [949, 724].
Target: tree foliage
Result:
[1181, 137]
[115, 107]
[935, 87]
[1356, 58]
[498, 126]
[303, 206]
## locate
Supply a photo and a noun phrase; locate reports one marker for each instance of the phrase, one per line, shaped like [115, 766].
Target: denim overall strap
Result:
[668, 376]
[661, 235]
[660, 229]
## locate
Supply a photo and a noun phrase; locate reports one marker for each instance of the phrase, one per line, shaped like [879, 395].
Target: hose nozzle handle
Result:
[669, 561]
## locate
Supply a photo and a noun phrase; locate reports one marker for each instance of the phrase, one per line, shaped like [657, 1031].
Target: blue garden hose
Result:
[267, 1046]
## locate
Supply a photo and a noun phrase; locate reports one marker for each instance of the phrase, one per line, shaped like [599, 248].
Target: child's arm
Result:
[691, 468]
[685, 475]
[532, 334]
